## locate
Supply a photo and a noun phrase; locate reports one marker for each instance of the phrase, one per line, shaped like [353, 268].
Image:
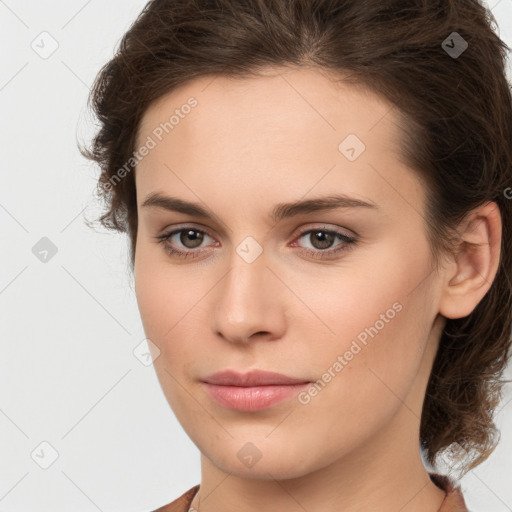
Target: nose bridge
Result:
[247, 279]
[245, 303]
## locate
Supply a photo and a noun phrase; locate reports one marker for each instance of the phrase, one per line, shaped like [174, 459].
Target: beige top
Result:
[453, 502]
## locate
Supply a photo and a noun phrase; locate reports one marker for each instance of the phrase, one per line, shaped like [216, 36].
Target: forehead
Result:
[287, 126]
[282, 102]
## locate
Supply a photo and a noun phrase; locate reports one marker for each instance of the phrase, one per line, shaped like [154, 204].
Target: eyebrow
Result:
[279, 212]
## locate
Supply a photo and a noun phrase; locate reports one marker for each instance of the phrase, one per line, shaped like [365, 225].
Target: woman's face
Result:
[263, 286]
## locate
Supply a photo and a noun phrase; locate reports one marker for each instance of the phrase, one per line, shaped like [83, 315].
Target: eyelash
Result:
[349, 243]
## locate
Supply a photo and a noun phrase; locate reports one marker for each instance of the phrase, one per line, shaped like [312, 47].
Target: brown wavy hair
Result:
[456, 117]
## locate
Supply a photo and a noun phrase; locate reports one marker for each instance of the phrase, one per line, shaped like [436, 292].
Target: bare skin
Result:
[248, 145]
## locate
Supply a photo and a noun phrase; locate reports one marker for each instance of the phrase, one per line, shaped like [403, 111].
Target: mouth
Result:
[253, 391]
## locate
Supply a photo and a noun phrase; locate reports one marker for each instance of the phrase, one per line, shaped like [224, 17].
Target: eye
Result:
[320, 238]
[189, 236]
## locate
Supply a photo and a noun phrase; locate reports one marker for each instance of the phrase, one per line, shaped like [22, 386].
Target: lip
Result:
[252, 391]
[252, 378]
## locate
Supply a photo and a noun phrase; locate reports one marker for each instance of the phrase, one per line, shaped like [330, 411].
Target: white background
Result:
[68, 375]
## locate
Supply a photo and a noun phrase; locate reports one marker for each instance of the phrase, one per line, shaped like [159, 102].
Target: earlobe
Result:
[476, 263]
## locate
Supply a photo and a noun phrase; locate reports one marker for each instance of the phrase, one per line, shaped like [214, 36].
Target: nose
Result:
[249, 302]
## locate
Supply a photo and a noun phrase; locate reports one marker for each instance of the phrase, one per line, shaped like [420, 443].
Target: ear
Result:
[471, 271]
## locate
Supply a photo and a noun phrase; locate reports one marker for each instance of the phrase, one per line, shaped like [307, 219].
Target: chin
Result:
[261, 458]
[267, 468]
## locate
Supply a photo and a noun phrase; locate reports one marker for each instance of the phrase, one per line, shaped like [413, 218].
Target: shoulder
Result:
[454, 500]
[182, 503]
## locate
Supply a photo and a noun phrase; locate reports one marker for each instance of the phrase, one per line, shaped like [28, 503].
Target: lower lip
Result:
[252, 398]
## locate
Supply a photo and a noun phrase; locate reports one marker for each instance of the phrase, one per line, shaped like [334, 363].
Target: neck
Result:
[381, 475]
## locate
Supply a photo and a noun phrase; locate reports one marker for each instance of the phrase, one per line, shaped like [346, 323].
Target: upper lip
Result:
[252, 378]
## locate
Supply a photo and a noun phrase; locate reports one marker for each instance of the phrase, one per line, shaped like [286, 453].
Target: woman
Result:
[315, 193]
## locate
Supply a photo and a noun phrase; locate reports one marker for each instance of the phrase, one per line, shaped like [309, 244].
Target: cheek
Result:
[162, 309]
[168, 302]
[164, 293]
[151, 298]
[378, 320]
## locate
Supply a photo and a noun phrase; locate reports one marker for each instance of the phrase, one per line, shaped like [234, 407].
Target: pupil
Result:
[323, 238]
[190, 237]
